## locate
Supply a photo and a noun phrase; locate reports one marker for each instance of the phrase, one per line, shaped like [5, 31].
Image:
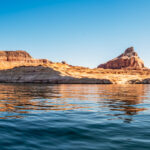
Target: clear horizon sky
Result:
[80, 32]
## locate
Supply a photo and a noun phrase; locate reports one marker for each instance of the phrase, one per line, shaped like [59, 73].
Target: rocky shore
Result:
[40, 74]
[20, 67]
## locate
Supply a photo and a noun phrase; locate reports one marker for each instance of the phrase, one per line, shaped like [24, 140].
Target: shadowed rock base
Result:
[40, 74]
[137, 81]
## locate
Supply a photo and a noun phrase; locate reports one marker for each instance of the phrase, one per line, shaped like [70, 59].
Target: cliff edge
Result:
[11, 59]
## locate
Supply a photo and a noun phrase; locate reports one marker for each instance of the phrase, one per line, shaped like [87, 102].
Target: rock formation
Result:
[14, 56]
[40, 74]
[11, 59]
[129, 60]
[20, 67]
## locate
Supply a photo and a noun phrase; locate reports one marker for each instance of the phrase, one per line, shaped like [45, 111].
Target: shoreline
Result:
[77, 75]
[20, 67]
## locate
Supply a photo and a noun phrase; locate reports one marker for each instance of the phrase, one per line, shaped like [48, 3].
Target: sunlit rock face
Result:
[11, 59]
[129, 60]
[14, 56]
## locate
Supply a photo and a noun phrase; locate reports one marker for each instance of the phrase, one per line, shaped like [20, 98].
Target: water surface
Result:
[71, 117]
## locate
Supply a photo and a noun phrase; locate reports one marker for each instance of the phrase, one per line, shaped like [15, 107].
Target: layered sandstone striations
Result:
[40, 74]
[20, 67]
[11, 59]
[128, 60]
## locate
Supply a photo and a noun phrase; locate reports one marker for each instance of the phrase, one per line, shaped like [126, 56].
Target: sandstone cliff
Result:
[20, 67]
[11, 59]
[128, 60]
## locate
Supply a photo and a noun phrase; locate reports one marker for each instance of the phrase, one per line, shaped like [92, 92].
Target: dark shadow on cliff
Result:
[41, 74]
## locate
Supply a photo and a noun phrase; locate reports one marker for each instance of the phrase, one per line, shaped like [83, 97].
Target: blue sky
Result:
[81, 32]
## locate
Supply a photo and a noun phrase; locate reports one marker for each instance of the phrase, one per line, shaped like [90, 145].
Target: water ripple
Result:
[87, 117]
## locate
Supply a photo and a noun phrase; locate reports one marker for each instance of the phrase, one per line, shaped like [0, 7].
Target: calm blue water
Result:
[74, 117]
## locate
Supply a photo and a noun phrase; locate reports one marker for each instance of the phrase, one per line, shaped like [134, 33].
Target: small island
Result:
[20, 67]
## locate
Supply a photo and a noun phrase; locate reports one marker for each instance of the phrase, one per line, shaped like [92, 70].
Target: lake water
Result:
[74, 117]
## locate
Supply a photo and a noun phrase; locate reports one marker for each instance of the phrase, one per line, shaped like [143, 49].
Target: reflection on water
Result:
[116, 101]
[70, 117]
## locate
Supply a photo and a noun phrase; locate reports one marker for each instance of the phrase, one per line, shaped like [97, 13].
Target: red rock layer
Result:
[10, 59]
[129, 59]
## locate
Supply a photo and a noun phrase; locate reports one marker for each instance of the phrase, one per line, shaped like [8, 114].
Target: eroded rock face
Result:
[40, 74]
[10, 59]
[14, 56]
[129, 60]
